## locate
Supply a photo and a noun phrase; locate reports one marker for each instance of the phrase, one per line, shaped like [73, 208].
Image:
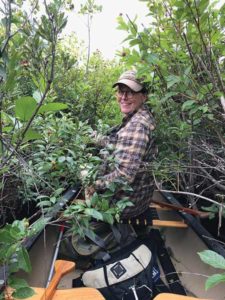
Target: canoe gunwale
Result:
[201, 231]
[29, 242]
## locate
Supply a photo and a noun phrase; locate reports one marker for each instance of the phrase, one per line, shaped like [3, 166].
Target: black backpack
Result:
[128, 274]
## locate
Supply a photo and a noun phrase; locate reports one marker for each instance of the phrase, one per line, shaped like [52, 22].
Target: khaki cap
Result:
[129, 79]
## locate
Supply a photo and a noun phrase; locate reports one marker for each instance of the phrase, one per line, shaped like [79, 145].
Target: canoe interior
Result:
[182, 243]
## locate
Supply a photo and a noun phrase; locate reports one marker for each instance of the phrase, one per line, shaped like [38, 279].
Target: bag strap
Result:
[160, 287]
[95, 238]
[169, 270]
[144, 270]
[114, 296]
[117, 234]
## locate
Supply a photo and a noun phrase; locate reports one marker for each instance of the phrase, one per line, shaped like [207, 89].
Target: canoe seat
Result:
[151, 218]
[167, 296]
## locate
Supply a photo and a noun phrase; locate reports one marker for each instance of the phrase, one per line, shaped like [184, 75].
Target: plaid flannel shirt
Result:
[132, 142]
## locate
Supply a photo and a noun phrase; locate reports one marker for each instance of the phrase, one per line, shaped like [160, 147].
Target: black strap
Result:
[102, 256]
[116, 233]
[114, 296]
[95, 238]
[144, 270]
[160, 287]
[169, 270]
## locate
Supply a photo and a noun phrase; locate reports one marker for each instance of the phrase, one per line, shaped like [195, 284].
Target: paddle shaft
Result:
[180, 208]
[55, 255]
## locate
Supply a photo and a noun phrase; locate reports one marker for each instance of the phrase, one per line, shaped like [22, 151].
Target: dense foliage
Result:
[41, 74]
[52, 96]
[50, 99]
[181, 53]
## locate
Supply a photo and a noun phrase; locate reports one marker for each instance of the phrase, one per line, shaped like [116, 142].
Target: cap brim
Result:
[134, 86]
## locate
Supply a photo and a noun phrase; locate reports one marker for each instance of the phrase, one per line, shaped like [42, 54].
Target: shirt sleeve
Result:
[129, 153]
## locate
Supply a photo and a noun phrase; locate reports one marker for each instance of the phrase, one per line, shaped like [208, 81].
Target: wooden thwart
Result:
[165, 223]
[152, 219]
[162, 223]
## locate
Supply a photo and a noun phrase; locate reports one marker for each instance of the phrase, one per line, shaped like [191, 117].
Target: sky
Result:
[104, 35]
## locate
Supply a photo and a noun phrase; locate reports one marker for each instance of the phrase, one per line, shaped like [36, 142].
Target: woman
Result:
[133, 147]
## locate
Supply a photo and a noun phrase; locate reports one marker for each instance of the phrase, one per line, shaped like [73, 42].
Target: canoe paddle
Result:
[62, 267]
[191, 211]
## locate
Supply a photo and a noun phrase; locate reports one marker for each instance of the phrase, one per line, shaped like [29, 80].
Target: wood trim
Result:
[164, 223]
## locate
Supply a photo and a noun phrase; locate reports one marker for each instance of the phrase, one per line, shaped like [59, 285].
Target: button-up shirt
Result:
[133, 146]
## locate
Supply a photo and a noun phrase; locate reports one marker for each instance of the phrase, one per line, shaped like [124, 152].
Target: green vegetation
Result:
[217, 261]
[182, 55]
[14, 256]
[53, 95]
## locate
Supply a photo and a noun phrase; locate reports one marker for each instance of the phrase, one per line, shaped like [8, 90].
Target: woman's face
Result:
[129, 100]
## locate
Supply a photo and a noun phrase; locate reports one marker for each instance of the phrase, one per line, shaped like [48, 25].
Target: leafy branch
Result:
[14, 256]
[50, 30]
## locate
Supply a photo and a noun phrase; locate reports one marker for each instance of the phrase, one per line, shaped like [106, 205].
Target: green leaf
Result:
[108, 218]
[210, 117]
[20, 225]
[172, 79]
[152, 58]
[112, 187]
[134, 42]
[15, 233]
[24, 260]
[25, 108]
[104, 205]
[56, 106]
[94, 199]
[5, 237]
[17, 283]
[32, 135]
[23, 293]
[93, 213]
[167, 96]
[61, 159]
[108, 194]
[214, 280]
[188, 105]
[45, 203]
[212, 258]
[11, 251]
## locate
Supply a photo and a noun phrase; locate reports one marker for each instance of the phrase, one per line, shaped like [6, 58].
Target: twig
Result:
[216, 182]
[192, 194]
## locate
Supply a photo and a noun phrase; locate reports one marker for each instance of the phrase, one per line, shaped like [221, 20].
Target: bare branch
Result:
[195, 195]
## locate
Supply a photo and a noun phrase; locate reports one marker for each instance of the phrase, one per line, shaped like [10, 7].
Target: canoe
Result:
[182, 243]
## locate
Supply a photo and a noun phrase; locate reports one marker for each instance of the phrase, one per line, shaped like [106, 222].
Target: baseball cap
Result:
[129, 78]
